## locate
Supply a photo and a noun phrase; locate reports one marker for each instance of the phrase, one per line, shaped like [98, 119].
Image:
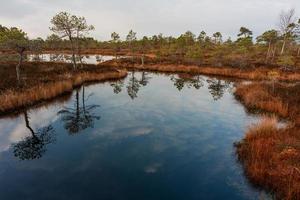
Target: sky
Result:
[148, 17]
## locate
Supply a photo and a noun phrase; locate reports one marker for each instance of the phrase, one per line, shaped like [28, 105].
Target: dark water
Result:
[151, 136]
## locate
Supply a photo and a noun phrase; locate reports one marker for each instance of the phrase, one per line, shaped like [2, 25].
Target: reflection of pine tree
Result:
[56, 58]
[178, 82]
[193, 82]
[217, 88]
[78, 118]
[117, 86]
[33, 146]
[144, 79]
[133, 86]
[88, 116]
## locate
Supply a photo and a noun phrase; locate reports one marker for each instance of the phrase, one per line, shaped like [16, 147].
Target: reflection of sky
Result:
[169, 141]
[14, 129]
[88, 59]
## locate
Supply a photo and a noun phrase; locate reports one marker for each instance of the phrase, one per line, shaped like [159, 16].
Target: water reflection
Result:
[117, 86]
[33, 146]
[177, 143]
[187, 80]
[133, 86]
[67, 58]
[80, 116]
[217, 87]
[56, 58]
[145, 79]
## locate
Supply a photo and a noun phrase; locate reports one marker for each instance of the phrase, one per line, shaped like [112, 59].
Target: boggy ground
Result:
[255, 72]
[44, 81]
[271, 154]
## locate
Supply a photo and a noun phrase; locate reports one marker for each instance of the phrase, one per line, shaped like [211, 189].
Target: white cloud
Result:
[148, 17]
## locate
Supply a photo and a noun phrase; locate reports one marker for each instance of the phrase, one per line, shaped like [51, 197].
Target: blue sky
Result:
[148, 17]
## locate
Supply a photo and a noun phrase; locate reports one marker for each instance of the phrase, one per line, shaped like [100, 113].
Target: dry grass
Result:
[260, 73]
[13, 99]
[271, 158]
[258, 96]
[271, 155]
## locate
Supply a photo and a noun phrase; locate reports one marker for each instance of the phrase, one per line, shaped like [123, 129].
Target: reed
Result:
[258, 96]
[15, 99]
[261, 73]
[271, 155]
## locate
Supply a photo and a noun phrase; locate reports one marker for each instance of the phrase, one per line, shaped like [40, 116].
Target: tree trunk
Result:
[274, 52]
[131, 50]
[79, 50]
[142, 58]
[18, 66]
[283, 46]
[27, 123]
[80, 59]
[268, 53]
[83, 98]
[116, 51]
[298, 52]
[80, 56]
[77, 105]
[73, 53]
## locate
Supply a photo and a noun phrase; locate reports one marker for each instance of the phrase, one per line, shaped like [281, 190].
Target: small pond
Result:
[149, 136]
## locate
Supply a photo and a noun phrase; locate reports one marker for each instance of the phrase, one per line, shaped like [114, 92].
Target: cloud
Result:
[149, 17]
[14, 130]
[16, 9]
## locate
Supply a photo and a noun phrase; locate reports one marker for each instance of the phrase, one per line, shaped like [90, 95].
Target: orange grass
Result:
[271, 158]
[271, 155]
[257, 96]
[260, 73]
[12, 100]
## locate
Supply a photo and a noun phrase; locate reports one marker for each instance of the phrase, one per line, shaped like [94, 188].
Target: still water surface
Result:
[67, 58]
[150, 136]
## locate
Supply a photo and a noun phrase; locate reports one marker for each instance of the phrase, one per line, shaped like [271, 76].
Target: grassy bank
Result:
[271, 154]
[45, 81]
[252, 73]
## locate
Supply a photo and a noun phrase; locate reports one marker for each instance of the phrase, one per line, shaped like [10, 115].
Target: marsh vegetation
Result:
[34, 71]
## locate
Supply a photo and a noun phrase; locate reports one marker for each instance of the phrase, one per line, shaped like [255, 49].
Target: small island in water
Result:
[167, 116]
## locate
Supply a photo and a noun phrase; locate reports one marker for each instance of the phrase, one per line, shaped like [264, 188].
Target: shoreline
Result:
[257, 95]
[259, 73]
[13, 101]
[270, 154]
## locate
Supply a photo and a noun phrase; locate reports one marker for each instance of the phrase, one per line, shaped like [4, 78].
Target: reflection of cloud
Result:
[14, 130]
[44, 116]
[11, 131]
[120, 133]
[18, 133]
[153, 168]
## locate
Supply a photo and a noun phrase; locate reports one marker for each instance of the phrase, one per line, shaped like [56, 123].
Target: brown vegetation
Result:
[44, 81]
[254, 73]
[271, 155]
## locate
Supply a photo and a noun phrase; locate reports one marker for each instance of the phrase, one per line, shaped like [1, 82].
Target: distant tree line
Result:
[277, 46]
